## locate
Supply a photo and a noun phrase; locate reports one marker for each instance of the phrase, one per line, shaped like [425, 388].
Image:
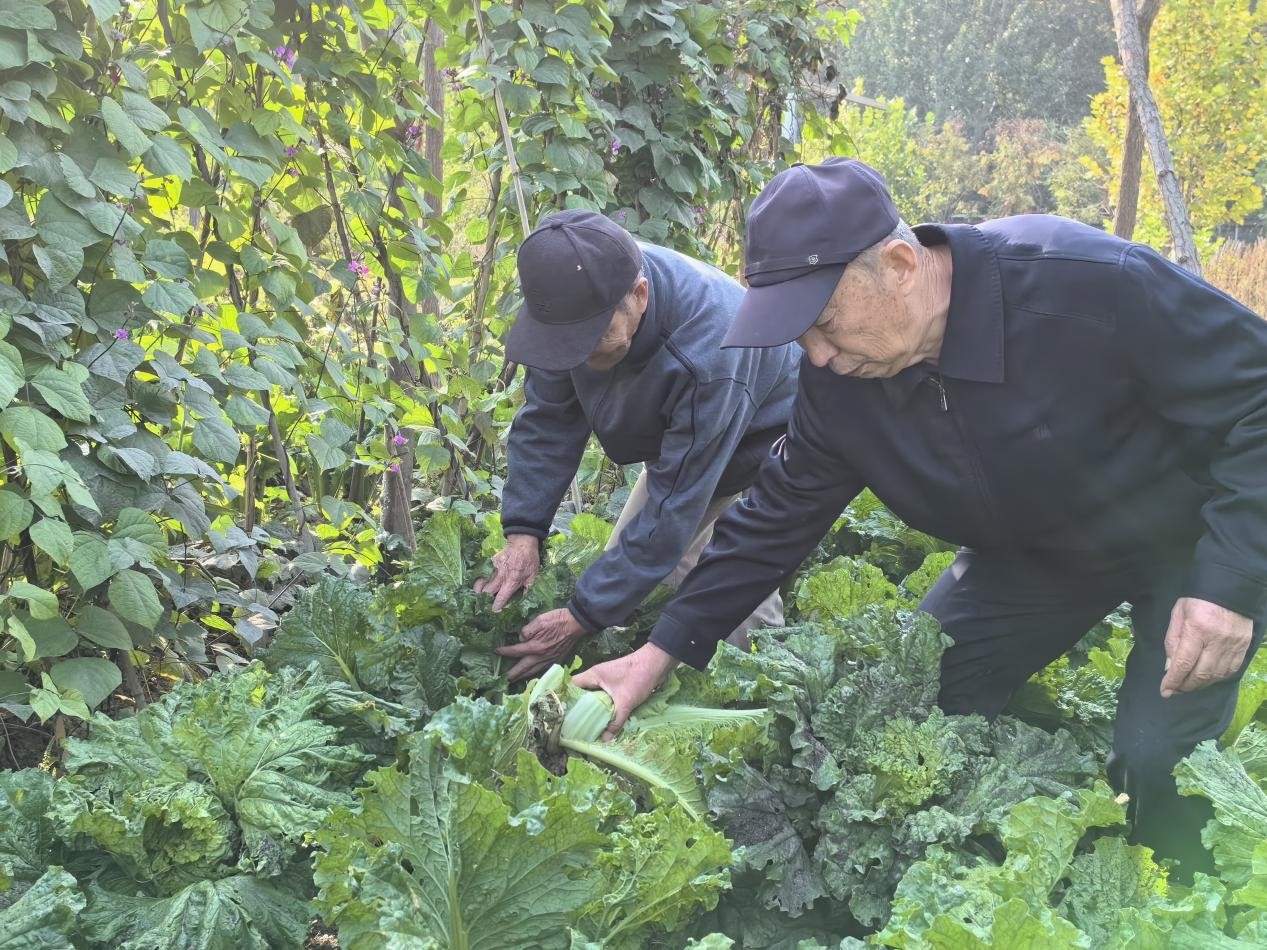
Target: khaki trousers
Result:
[769, 612]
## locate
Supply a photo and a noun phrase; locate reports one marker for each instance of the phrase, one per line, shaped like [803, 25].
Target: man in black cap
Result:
[623, 340]
[1087, 419]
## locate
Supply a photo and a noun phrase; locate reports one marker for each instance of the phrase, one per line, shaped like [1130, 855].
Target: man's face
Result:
[866, 330]
[614, 345]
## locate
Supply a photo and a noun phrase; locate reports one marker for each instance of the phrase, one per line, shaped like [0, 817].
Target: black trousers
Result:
[1009, 618]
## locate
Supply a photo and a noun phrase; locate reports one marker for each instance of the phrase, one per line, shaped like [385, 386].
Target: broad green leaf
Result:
[64, 391]
[8, 154]
[325, 455]
[74, 177]
[166, 258]
[41, 603]
[90, 561]
[15, 514]
[61, 226]
[166, 156]
[54, 538]
[143, 113]
[104, 10]
[217, 440]
[245, 412]
[132, 595]
[140, 527]
[251, 327]
[137, 460]
[103, 627]
[236, 912]
[453, 833]
[10, 382]
[661, 870]
[243, 377]
[114, 360]
[46, 702]
[329, 625]
[165, 296]
[61, 261]
[313, 226]
[93, 677]
[44, 916]
[131, 137]
[114, 177]
[17, 629]
[27, 15]
[30, 425]
[53, 636]
[1240, 808]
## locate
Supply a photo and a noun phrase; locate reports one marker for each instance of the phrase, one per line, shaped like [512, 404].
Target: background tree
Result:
[1208, 69]
[982, 61]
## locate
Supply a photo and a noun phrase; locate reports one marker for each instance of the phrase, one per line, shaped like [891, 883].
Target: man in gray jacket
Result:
[623, 340]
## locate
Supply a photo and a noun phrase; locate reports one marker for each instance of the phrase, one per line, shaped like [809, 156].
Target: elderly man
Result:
[624, 340]
[1088, 420]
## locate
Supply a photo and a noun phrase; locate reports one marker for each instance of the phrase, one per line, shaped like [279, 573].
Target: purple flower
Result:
[399, 439]
[292, 151]
[395, 469]
[615, 147]
[621, 217]
[286, 56]
[120, 334]
[358, 268]
[293, 172]
[414, 131]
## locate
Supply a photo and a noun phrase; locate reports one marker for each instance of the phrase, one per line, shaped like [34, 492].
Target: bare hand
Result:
[1205, 643]
[628, 680]
[549, 638]
[514, 569]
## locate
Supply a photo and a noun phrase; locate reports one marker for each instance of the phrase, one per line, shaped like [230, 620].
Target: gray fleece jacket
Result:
[701, 418]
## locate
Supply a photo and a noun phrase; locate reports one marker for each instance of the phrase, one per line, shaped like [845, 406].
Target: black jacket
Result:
[1092, 405]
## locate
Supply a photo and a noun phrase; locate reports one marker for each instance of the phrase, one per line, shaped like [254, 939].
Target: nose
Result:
[818, 351]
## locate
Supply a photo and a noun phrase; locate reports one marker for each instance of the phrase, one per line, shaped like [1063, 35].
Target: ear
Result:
[901, 261]
[641, 295]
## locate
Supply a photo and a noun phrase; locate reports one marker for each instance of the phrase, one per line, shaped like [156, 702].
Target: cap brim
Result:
[774, 314]
[555, 346]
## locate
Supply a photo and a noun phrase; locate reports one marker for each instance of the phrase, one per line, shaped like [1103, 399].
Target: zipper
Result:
[941, 391]
[974, 463]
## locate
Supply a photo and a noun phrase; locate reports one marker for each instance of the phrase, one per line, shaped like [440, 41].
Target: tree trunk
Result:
[1133, 146]
[1129, 44]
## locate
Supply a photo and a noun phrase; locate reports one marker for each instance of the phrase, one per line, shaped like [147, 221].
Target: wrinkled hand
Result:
[514, 568]
[628, 681]
[548, 638]
[1205, 643]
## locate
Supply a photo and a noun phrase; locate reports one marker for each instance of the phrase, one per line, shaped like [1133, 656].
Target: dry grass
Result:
[1241, 271]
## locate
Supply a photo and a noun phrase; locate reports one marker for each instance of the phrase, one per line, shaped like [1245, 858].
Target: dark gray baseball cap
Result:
[574, 268]
[804, 227]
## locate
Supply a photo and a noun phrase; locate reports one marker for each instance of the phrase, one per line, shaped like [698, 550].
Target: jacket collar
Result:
[973, 345]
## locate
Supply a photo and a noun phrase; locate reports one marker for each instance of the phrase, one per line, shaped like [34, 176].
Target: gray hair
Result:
[870, 258]
[627, 301]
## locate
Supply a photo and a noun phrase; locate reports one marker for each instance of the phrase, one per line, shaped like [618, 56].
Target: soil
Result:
[22, 745]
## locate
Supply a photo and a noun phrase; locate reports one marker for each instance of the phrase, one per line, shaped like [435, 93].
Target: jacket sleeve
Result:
[1202, 359]
[799, 492]
[547, 440]
[708, 422]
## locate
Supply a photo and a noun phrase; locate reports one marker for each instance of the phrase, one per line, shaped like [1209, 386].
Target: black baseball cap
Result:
[804, 227]
[574, 268]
